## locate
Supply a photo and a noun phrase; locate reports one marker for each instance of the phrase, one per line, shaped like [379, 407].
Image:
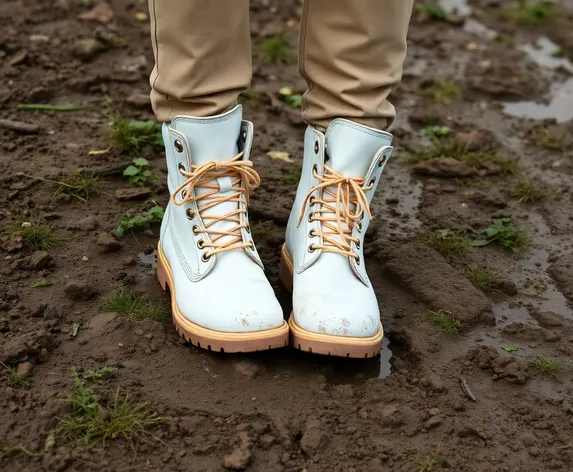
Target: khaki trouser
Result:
[351, 54]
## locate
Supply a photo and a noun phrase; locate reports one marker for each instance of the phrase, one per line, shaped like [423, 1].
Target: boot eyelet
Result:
[314, 169]
[382, 161]
[252, 246]
[190, 214]
[312, 201]
[195, 229]
[205, 257]
[357, 245]
[244, 135]
[183, 193]
[312, 234]
[311, 217]
[201, 244]
[181, 167]
[358, 261]
[358, 227]
[316, 147]
[248, 228]
[372, 181]
[178, 146]
[311, 248]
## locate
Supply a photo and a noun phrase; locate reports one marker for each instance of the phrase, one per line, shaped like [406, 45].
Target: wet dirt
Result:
[469, 402]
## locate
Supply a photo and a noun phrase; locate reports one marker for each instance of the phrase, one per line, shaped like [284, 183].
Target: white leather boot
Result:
[335, 310]
[221, 299]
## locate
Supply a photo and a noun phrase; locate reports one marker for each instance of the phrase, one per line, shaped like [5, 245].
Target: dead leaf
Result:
[280, 156]
[140, 16]
[99, 152]
[102, 12]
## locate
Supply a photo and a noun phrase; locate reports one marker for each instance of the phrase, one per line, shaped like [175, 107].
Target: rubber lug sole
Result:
[212, 340]
[326, 344]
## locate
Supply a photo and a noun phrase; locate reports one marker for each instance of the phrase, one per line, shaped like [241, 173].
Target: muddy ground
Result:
[432, 401]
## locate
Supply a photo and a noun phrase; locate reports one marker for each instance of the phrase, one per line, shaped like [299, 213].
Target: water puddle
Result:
[544, 53]
[148, 258]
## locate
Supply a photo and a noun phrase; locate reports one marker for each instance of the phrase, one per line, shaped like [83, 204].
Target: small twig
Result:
[466, 389]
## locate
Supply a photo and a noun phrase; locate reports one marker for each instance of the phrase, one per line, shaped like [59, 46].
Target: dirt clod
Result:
[313, 437]
[80, 291]
[108, 243]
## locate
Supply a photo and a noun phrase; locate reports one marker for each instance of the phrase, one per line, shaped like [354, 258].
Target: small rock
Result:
[87, 49]
[314, 437]
[101, 13]
[533, 451]
[528, 440]
[391, 416]
[40, 260]
[267, 440]
[132, 193]
[434, 412]
[506, 286]
[548, 319]
[43, 355]
[79, 291]
[248, 367]
[51, 312]
[239, 459]
[432, 422]
[24, 369]
[107, 243]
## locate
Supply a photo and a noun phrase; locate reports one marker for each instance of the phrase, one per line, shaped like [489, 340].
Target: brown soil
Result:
[461, 402]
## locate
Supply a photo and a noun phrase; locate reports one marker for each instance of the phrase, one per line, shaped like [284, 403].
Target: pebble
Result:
[433, 422]
[24, 369]
[107, 243]
[247, 367]
[79, 291]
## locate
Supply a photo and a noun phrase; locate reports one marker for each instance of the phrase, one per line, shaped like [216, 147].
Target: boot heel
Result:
[286, 269]
[161, 271]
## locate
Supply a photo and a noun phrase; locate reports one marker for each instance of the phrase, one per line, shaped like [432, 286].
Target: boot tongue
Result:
[213, 138]
[351, 147]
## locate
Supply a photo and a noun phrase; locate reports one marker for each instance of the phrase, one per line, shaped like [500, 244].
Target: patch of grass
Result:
[508, 237]
[37, 234]
[432, 10]
[251, 97]
[429, 464]
[526, 192]
[551, 141]
[91, 421]
[444, 91]
[449, 147]
[545, 368]
[19, 450]
[100, 375]
[436, 131]
[80, 186]
[131, 135]
[447, 242]
[15, 380]
[293, 99]
[529, 13]
[275, 49]
[140, 221]
[292, 177]
[134, 307]
[482, 278]
[47, 107]
[138, 173]
[443, 321]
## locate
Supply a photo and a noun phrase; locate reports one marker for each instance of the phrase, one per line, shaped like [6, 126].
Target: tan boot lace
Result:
[342, 206]
[244, 178]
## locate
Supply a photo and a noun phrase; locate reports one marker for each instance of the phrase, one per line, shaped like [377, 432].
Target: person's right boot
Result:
[220, 297]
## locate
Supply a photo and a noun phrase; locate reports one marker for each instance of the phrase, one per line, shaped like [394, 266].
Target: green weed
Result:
[429, 464]
[131, 135]
[551, 141]
[526, 192]
[81, 186]
[91, 421]
[100, 375]
[294, 100]
[42, 283]
[134, 307]
[443, 321]
[506, 39]
[19, 450]
[510, 347]
[37, 234]
[433, 11]
[545, 368]
[508, 237]
[482, 278]
[275, 49]
[15, 380]
[531, 13]
[447, 242]
[444, 91]
[292, 177]
[140, 221]
[47, 107]
[436, 131]
[138, 173]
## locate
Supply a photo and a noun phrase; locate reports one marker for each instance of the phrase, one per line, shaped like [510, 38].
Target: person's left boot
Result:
[335, 310]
